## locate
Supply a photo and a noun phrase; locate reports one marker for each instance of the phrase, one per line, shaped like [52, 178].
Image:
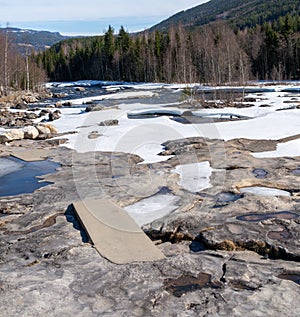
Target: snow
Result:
[264, 191]
[291, 148]
[144, 136]
[8, 166]
[154, 207]
[194, 177]
[113, 96]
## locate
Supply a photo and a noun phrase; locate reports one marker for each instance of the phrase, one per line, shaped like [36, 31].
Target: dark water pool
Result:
[23, 180]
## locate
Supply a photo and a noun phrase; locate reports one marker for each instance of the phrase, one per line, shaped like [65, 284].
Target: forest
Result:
[245, 42]
[18, 71]
[214, 53]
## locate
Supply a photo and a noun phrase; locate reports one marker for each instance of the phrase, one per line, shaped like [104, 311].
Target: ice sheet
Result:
[149, 209]
[194, 177]
[264, 191]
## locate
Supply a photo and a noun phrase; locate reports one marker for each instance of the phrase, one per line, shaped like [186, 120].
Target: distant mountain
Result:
[239, 13]
[36, 40]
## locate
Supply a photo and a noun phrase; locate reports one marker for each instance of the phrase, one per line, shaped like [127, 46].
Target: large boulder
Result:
[11, 135]
[21, 106]
[43, 129]
[51, 127]
[31, 115]
[30, 132]
[54, 115]
[109, 122]
[93, 107]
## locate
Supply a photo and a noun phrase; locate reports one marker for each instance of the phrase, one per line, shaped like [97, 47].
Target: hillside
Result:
[239, 13]
[36, 40]
[190, 47]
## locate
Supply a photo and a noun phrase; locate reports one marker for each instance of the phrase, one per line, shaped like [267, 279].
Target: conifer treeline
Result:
[213, 53]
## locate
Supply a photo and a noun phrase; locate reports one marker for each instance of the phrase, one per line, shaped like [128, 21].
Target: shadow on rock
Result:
[72, 217]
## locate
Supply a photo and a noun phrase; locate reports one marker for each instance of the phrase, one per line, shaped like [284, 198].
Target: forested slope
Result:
[217, 52]
[239, 13]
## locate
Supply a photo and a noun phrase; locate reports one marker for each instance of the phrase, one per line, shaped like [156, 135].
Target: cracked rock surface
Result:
[227, 253]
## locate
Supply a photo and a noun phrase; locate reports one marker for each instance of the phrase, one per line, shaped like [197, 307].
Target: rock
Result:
[93, 107]
[31, 115]
[109, 123]
[29, 99]
[58, 104]
[45, 247]
[60, 95]
[81, 89]
[94, 135]
[49, 126]
[249, 99]
[43, 130]
[21, 106]
[67, 104]
[11, 135]
[54, 115]
[30, 132]
[44, 112]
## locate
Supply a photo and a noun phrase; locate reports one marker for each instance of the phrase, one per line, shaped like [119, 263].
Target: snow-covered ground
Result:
[144, 136]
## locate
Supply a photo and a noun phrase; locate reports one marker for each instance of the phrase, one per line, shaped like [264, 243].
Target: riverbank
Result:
[227, 252]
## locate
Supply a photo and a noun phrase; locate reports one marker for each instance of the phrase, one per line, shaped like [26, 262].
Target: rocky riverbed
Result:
[228, 252]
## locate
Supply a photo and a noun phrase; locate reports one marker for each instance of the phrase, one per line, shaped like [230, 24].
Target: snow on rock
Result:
[291, 148]
[264, 191]
[151, 208]
[194, 177]
[144, 136]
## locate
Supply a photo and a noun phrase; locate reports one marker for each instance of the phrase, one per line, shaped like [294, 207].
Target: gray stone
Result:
[30, 132]
[219, 245]
[93, 107]
[11, 135]
[54, 115]
[43, 129]
[109, 123]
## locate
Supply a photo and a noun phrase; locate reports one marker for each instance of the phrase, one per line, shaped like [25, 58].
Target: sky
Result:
[89, 17]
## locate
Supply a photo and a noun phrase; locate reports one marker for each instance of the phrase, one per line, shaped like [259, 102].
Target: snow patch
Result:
[264, 191]
[194, 177]
[291, 149]
[154, 207]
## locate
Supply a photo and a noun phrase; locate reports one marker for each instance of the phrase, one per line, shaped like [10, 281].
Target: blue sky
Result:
[76, 17]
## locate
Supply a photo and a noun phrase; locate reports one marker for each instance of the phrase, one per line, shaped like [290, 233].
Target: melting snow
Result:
[264, 191]
[154, 207]
[194, 177]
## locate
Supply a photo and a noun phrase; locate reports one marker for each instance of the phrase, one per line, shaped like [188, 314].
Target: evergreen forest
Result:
[219, 42]
[215, 53]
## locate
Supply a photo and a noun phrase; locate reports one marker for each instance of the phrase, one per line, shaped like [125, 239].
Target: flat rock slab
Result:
[30, 155]
[114, 233]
